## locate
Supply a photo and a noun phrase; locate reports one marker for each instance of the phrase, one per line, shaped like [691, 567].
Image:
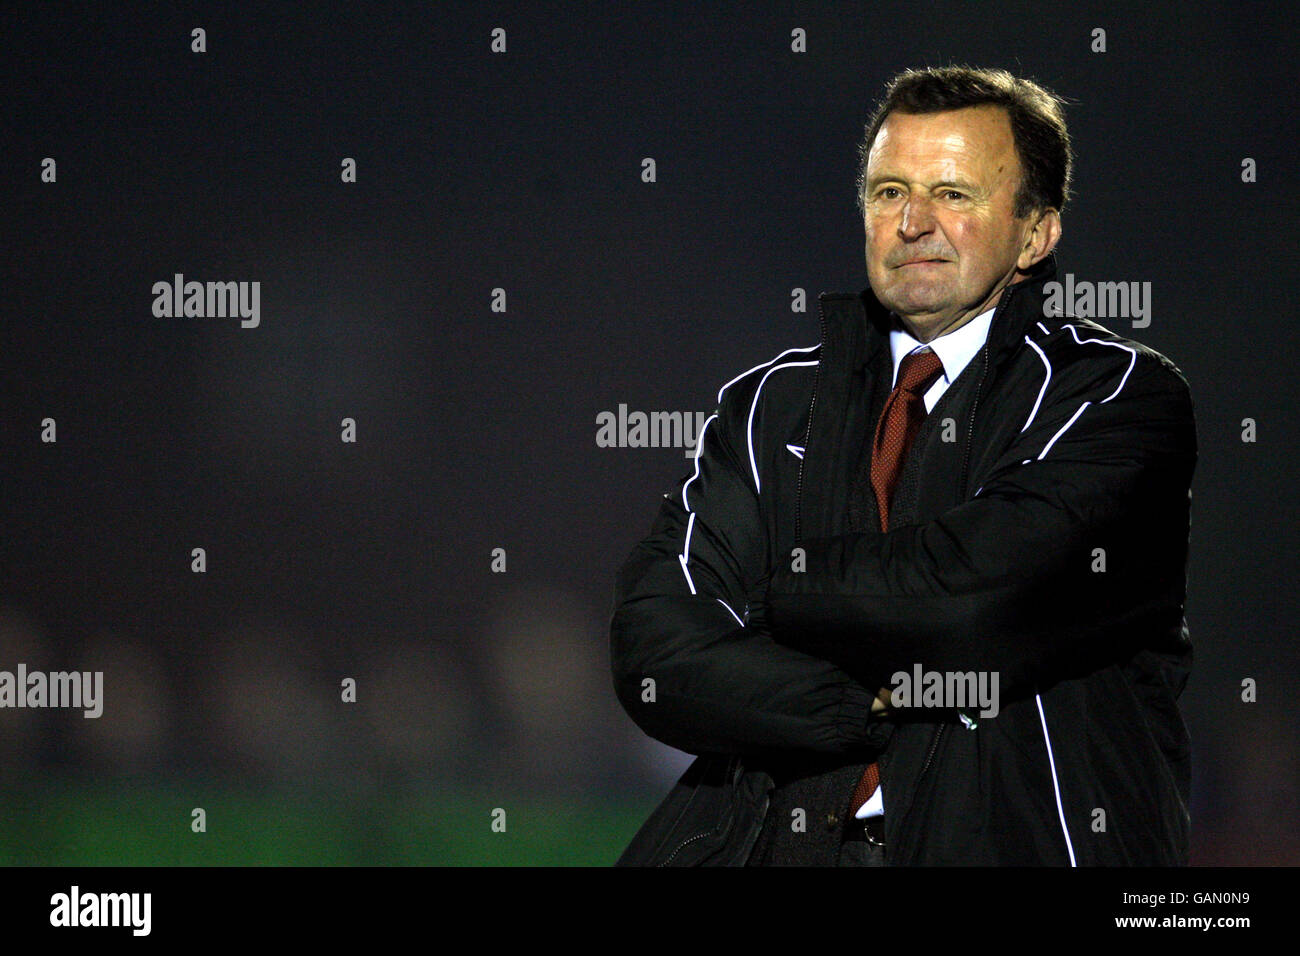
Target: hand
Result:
[880, 707]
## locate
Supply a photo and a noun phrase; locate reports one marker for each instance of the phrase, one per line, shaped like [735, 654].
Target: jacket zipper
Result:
[965, 463]
[812, 406]
[979, 390]
[970, 428]
[929, 759]
[731, 778]
[681, 846]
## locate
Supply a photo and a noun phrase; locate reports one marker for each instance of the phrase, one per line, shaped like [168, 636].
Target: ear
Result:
[1041, 239]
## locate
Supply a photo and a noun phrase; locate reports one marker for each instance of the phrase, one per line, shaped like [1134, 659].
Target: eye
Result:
[888, 192]
[953, 194]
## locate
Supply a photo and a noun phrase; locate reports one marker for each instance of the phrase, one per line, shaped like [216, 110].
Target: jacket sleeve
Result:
[686, 667]
[1080, 530]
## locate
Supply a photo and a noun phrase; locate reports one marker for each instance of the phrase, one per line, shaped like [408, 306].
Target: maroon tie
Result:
[904, 410]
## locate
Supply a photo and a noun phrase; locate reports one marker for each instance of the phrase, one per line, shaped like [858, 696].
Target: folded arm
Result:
[1081, 522]
[687, 667]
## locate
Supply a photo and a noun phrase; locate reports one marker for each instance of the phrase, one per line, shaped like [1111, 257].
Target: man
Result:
[955, 482]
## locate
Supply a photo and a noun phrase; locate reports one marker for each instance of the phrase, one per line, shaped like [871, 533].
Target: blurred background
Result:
[480, 690]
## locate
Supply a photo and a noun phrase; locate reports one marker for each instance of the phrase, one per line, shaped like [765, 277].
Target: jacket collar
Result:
[856, 326]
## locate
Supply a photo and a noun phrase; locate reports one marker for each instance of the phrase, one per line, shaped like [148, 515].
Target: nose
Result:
[918, 218]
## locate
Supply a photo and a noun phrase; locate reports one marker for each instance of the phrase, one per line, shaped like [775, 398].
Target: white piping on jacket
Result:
[749, 428]
[733, 613]
[1124, 378]
[684, 558]
[1115, 345]
[1047, 739]
[686, 548]
[808, 348]
[1042, 391]
[699, 446]
[1056, 786]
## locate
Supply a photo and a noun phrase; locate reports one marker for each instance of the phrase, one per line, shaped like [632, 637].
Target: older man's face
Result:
[939, 193]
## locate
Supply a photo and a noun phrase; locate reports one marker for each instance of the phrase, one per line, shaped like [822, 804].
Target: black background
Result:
[477, 429]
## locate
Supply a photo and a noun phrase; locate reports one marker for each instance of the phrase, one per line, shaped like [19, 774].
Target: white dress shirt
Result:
[955, 350]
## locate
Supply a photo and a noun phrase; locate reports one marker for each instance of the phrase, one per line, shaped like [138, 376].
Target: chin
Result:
[914, 304]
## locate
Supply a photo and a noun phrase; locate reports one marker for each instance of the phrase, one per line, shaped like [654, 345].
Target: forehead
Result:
[972, 139]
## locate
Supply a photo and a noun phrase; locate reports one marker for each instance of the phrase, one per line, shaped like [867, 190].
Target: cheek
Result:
[877, 244]
[880, 224]
[979, 246]
[965, 234]
[974, 236]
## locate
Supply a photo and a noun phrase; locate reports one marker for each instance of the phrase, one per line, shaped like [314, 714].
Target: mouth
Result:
[922, 262]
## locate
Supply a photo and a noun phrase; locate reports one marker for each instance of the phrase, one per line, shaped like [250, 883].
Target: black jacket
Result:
[1039, 530]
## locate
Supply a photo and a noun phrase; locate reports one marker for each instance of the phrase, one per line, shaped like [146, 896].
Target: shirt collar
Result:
[955, 349]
